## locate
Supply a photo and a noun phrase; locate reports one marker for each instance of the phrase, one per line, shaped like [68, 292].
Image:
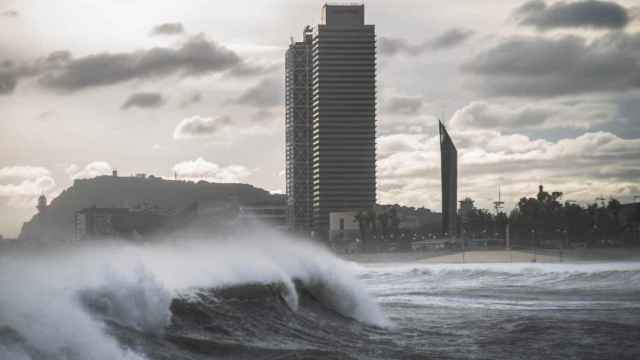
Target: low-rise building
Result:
[273, 214]
[343, 226]
[94, 222]
[100, 223]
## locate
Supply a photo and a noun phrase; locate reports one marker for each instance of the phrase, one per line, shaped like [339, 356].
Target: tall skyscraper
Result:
[449, 179]
[298, 133]
[342, 112]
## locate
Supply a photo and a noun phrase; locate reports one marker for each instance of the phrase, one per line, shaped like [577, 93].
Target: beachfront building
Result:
[298, 133]
[341, 77]
[273, 214]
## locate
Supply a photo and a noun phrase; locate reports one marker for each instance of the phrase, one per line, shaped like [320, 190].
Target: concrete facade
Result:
[270, 214]
[343, 226]
[331, 89]
[344, 114]
[298, 133]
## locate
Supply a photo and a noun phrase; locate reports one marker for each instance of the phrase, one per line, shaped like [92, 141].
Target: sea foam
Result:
[55, 299]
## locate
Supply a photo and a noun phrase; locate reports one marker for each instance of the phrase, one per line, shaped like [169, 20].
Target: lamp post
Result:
[533, 240]
[563, 238]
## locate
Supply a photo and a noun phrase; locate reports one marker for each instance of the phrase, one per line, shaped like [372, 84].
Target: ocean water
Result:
[264, 297]
[512, 311]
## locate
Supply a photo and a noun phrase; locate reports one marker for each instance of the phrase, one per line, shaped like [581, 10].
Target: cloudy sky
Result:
[533, 92]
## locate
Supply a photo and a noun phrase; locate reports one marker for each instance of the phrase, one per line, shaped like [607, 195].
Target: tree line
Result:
[544, 220]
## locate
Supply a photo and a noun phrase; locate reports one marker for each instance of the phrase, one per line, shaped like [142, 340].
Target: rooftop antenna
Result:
[498, 205]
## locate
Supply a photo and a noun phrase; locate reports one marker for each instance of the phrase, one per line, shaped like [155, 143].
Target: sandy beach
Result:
[502, 256]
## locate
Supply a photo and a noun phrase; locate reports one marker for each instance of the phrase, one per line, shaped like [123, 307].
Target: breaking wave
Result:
[174, 300]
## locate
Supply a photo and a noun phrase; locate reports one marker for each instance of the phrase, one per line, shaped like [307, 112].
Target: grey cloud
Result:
[10, 73]
[60, 71]
[191, 99]
[446, 40]
[451, 38]
[10, 13]
[8, 82]
[59, 57]
[248, 70]
[586, 13]
[261, 116]
[487, 116]
[403, 105]
[538, 66]
[168, 29]
[267, 93]
[143, 100]
[393, 46]
[196, 57]
[200, 127]
[47, 115]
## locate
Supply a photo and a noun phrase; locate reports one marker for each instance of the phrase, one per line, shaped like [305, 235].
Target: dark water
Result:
[513, 311]
[317, 307]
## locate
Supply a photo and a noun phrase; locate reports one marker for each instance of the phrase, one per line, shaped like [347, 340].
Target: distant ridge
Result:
[56, 223]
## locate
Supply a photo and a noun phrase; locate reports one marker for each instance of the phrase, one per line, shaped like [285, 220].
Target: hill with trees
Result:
[56, 222]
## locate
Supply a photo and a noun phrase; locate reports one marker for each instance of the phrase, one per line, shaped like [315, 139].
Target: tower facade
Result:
[449, 180]
[331, 118]
[343, 114]
[298, 133]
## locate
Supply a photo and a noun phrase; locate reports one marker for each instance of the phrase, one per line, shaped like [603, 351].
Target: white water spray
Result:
[46, 293]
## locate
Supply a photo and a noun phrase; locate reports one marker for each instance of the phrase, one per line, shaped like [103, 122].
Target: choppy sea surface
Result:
[512, 311]
[282, 299]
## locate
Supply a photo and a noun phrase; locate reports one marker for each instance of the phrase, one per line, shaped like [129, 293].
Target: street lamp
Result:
[563, 238]
[533, 240]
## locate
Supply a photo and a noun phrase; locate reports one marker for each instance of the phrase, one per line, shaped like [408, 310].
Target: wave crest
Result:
[81, 290]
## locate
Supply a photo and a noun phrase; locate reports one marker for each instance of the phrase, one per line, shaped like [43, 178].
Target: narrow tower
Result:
[42, 204]
[298, 133]
[449, 180]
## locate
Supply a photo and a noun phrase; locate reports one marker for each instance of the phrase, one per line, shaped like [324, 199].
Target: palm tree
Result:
[383, 220]
[371, 222]
[361, 218]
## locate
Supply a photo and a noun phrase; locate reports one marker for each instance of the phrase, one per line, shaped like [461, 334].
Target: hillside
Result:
[57, 222]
